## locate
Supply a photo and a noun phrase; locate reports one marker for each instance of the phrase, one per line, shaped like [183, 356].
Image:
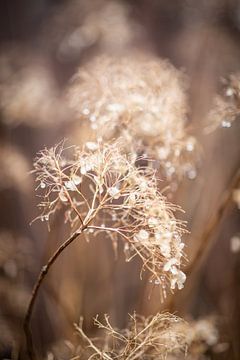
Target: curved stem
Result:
[45, 269]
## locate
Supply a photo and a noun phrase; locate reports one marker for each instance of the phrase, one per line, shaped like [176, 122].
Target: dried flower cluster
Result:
[163, 336]
[144, 338]
[226, 107]
[142, 99]
[103, 191]
[153, 337]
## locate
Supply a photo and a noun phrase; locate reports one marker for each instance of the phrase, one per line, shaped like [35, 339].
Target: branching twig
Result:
[85, 337]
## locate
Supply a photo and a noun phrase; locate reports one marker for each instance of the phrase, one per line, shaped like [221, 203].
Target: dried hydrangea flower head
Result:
[226, 107]
[141, 98]
[103, 191]
[153, 337]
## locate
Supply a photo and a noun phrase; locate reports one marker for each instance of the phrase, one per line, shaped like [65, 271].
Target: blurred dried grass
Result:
[201, 37]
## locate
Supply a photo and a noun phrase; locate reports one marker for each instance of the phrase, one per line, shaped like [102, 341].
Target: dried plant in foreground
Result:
[153, 337]
[143, 99]
[226, 107]
[102, 190]
[162, 336]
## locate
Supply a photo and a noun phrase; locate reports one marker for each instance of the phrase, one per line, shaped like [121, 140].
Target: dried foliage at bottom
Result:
[163, 336]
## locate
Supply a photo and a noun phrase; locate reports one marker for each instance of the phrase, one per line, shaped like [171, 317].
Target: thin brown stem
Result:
[208, 234]
[44, 271]
[215, 220]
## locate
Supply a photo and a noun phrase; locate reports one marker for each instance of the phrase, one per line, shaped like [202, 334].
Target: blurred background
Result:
[42, 45]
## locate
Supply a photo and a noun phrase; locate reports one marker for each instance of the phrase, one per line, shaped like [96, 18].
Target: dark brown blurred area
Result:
[40, 45]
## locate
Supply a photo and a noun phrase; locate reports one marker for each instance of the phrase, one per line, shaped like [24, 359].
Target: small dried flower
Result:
[114, 192]
[142, 235]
